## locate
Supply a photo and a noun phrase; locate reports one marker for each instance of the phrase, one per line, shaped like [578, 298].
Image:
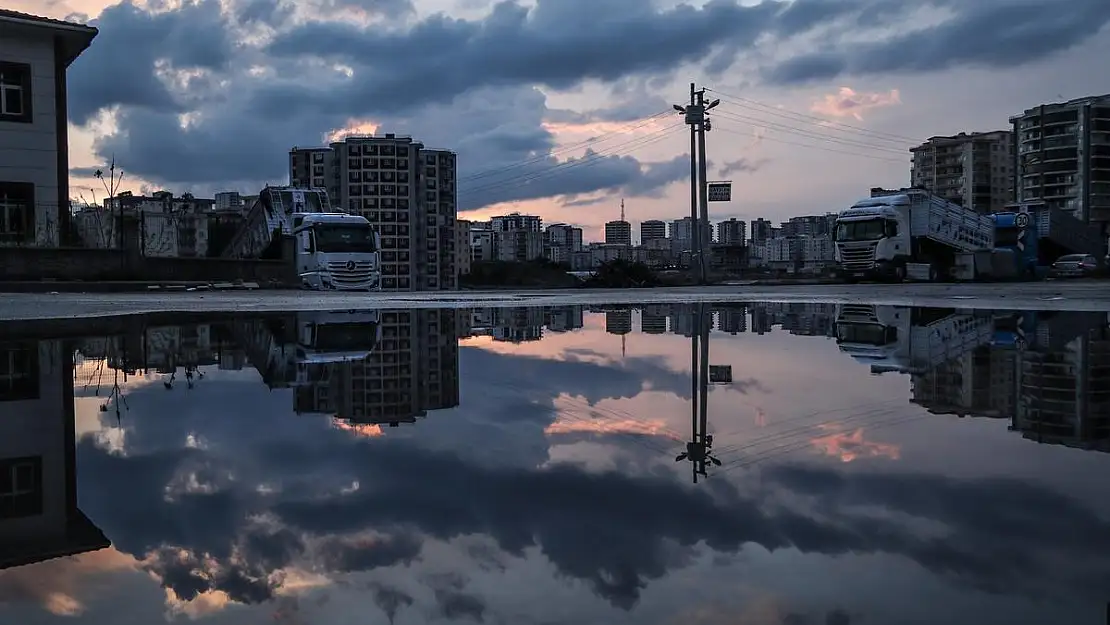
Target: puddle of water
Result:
[848, 462]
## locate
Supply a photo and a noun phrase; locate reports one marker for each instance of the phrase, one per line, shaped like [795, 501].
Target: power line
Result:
[817, 147]
[630, 127]
[773, 110]
[587, 160]
[811, 134]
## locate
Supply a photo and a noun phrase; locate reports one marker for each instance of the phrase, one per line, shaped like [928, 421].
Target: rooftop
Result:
[75, 37]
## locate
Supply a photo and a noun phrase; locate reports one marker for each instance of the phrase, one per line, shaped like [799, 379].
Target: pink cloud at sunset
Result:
[851, 446]
[849, 103]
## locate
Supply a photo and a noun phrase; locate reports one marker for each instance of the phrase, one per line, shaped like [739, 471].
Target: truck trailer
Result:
[332, 250]
[911, 233]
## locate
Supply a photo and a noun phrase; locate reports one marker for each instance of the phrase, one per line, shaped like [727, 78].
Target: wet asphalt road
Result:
[1077, 295]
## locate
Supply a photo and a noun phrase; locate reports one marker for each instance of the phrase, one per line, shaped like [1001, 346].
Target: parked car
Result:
[1075, 266]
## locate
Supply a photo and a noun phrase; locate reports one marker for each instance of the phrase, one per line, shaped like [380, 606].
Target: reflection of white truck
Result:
[332, 250]
[287, 350]
[912, 233]
[909, 340]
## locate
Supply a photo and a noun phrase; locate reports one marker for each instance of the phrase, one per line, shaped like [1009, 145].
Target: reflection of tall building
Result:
[39, 518]
[413, 369]
[980, 382]
[618, 321]
[517, 325]
[563, 318]
[733, 318]
[653, 319]
[1065, 393]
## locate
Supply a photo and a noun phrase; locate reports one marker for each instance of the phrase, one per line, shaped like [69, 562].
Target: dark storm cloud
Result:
[244, 121]
[995, 34]
[119, 68]
[743, 166]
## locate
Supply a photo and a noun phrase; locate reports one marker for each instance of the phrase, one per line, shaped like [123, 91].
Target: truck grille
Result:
[359, 275]
[858, 258]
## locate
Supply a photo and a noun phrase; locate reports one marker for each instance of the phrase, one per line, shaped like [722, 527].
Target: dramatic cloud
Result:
[848, 103]
[993, 33]
[742, 165]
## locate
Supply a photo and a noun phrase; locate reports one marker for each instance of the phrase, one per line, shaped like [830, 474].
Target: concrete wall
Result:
[29, 152]
[34, 264]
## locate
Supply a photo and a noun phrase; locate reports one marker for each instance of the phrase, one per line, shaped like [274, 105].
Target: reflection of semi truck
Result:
[286, 349]
[331, 250]
[903, 233]
[909, 340]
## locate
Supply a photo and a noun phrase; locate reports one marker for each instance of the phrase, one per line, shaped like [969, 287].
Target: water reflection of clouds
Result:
[500, 509]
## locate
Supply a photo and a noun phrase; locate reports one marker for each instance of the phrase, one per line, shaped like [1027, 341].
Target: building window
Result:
[15, 92]
[17, 211]
[19, 372]
[20, 487]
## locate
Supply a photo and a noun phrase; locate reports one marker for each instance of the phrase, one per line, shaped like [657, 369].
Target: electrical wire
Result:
[777, 127]
[813, 119]
[813, 147]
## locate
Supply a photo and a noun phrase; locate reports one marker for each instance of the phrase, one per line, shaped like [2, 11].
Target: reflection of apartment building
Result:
[408, 192]
[516, 325]
[653, 319]
[39, 518]
[618, 321]
[1063, 156]
[1065, 393]
[974, 170]
[981, 382]
[733, 318]
[413, 369]
[563, 318]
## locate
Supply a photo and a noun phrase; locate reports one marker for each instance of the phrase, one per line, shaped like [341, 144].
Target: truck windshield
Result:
[860, 230]
[344, 238]
[345, 337]
[866, 334]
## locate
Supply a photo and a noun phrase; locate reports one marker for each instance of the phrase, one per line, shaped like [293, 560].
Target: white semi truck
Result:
[909, 340]
[332, 250]
[911, 233]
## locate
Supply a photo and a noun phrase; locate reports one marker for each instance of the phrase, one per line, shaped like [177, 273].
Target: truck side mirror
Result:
[310, 241]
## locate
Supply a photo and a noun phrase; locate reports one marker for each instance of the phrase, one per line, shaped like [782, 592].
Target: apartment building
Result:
[463, 251]
[732, 232]
[652, 230]
[618, 232]
[408, 192]
[971, 169]
[35, 53]
[1063, 156]
[517, 238]
[682, 235]
[561, 241]
[761, 230]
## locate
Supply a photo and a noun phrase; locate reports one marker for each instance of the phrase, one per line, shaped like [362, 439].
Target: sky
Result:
[535, 500]
[561, 108]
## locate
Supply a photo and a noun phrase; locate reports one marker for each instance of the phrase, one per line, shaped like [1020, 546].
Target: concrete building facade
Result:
[618, 232]
[971, 169]
[408, 192]
[517, 238]
[1063, 157]
[732, 232]
[652, 230]
[35, 53]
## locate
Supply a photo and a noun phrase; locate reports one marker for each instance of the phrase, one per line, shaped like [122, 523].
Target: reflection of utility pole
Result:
[699, 449]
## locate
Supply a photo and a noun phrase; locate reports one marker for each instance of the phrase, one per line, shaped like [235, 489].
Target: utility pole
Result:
[695, 114]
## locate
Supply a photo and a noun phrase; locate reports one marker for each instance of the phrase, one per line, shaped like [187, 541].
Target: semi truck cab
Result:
[336, 251]
[872, 239]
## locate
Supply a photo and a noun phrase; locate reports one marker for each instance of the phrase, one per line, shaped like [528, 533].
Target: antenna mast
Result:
[622, 209]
